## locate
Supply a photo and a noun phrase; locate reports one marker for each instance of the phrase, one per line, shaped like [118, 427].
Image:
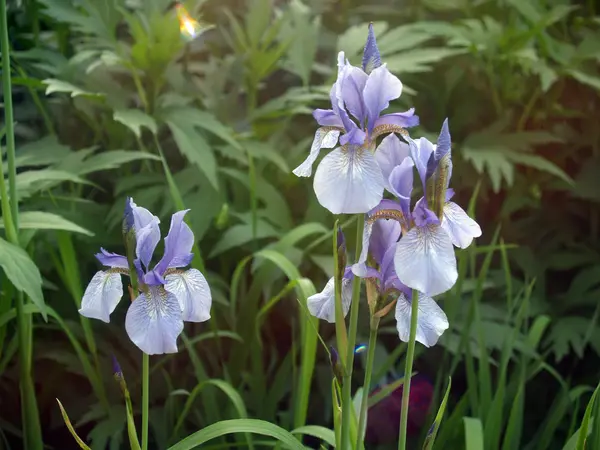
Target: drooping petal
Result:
[431, 320]
[425, 260]
[101, 296]
[322, 305]
[371, 58]
[349, 181]
[147, 232]
[400, 182]
[386, 233]
[114, 260]
[380, 89]
[352, 91]
[389, 154]
[327, 118]
[192, 291]
[154, 321]
[324, 138]
[178, 244]
[359, 268]
[459, 226]
[404, 119]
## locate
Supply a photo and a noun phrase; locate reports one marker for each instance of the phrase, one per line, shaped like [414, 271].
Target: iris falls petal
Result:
[322, 305]
[324, 138]
[102, 296]
[459, 226]
[349, 181]
[154, 321]
[192, 291]
[425, 260]
[431, 320]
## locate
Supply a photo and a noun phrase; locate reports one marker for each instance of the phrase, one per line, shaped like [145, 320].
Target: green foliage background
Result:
[111, 102]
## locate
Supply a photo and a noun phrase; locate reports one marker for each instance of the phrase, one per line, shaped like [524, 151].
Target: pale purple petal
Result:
[154, 321]
[353, 135]
[193, 293]
[389, 154]
[349, 181]
[371, 57]
[322, 305]
[425, 260]
[404, 119]
[147, 233]
[360, 267]
[114, 260]
[381, 87]
[459, 226]
[431, 320]
[401, 184]
[386, 233]
[444, 142]
[423, 216]
[101, 296]
[327, 118]
[422, 152]
[352, 91]
[324, 138]
[387, 269]
[178, 244]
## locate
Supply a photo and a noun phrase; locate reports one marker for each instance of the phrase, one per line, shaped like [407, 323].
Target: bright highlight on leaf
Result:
[189, 27]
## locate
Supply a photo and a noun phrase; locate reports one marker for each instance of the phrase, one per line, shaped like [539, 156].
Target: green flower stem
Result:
[367, 383]
[347, 386]
[145, 398]
[10, 212]
[341, 334]
[410, 355]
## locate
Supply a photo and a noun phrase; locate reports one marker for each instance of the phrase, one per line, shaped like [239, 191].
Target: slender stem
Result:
[347, 386]
[410, 355]
[145, 398]
[367, 383]
[341, 333]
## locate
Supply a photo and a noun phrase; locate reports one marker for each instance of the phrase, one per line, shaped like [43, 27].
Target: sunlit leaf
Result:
[41, 220]
[55, 85]
[134, 119]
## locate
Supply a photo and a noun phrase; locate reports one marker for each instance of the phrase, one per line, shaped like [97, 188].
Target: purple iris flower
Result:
[322, 304]
[169, 296]
[424, 258]
[350, 179]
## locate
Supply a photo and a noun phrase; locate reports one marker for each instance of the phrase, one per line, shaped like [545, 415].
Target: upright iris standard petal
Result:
[192, 291]
[349, 181]
[352, 91]
[401, 184]
[114, 260]
[324, 138]
[353, 135]
[421, 151]
[371, 58]
[101, 296]
[431, 320]
[389, 154]
[154, 321]
[380, 89]
[322, 305]
[147, 232]
[385, 233]
[425, 260]
[178, 244]
[459, 226]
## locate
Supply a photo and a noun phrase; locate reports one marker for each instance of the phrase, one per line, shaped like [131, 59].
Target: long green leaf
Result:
[41, 220]
[473, 434]
[435, 426]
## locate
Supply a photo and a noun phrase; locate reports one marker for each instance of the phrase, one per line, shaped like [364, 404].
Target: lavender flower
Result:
[349, 179]
[322, 305]
[169, 296]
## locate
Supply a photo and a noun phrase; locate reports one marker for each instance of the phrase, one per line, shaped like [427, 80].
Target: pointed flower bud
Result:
[336, 365]
[371, 57]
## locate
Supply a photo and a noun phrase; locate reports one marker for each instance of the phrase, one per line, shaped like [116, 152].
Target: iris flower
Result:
[349, 179]
[169, 295]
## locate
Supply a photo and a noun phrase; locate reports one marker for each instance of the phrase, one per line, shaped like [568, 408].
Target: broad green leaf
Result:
[419, 60]
[582, 77]
[325, 434]
[42, 152]
[196, 150]
[113, 159]
[226, 427]
[194, 117]
[55, 85]
[41, 220]
[473, 433]
[539, 163]
[22, 273]
[33, 181]
[241, 234]
[134, 119]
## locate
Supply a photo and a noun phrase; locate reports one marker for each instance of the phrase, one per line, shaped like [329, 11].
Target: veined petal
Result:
[154, 321]
[459, 226]
[385, 234]
[327, 118]
[349, 181]
[389, 154]
[114, 260]
[360, 267]
[404, 119]
[380, 88]
[101, 296]
[352, 91]
[178, 244]
[353, 135]
[425, 260]
[431, 320]
[192, 291]
[401, 184]
[324, 138]
[322, 305]
[371, 58]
